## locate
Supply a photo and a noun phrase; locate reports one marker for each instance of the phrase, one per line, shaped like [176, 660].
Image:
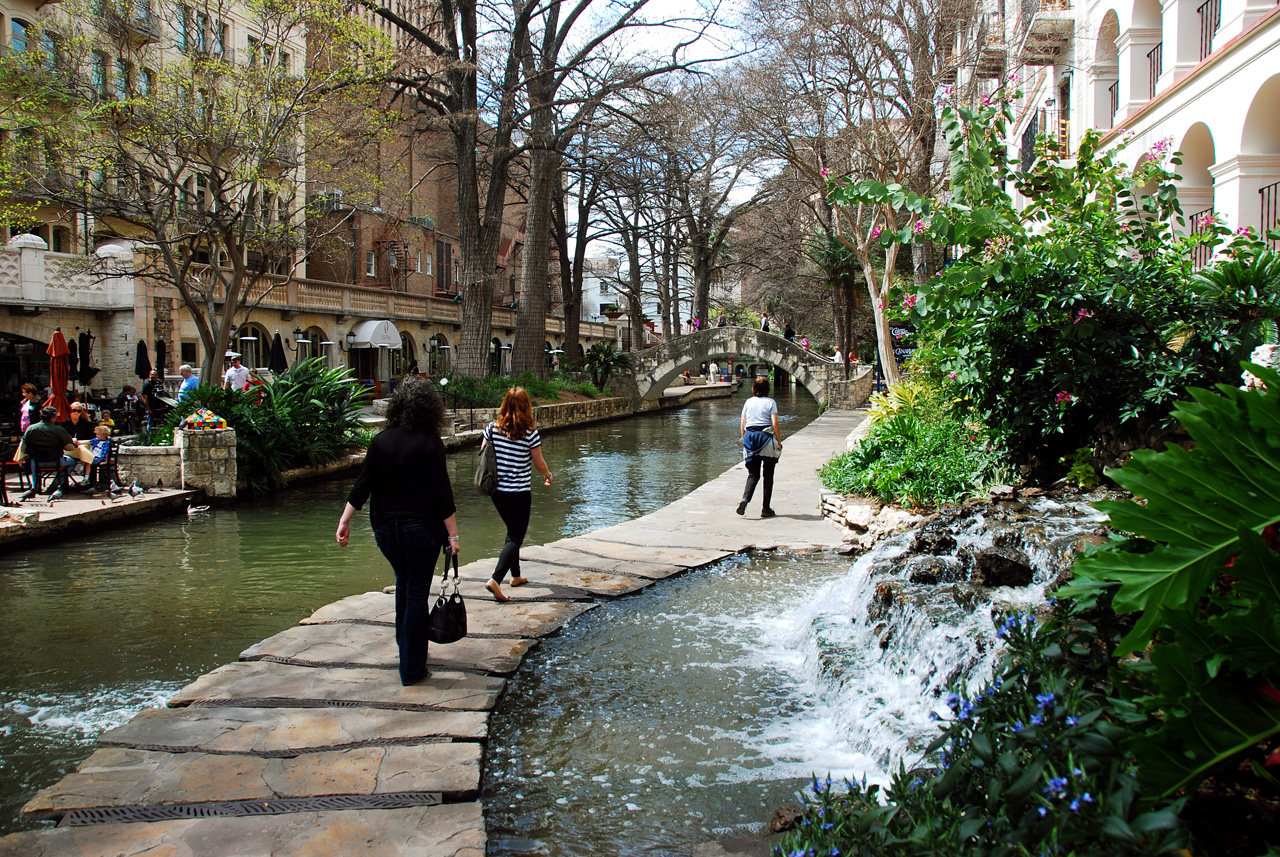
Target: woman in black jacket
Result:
[412, 511]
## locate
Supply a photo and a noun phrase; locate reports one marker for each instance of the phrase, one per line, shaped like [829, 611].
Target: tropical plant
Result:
[307, 415]
[922, 449]
[601, 360]
[1202, 572]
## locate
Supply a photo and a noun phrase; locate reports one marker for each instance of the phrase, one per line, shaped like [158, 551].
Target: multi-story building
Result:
[383, 300]
[1203, 75]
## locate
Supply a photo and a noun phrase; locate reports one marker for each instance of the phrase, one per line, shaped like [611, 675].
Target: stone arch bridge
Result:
[653, 369]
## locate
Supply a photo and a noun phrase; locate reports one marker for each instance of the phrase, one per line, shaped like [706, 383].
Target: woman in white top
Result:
[518, 448]
[761, 443]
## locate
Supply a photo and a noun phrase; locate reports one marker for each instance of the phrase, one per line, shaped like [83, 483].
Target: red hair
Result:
[515, 417]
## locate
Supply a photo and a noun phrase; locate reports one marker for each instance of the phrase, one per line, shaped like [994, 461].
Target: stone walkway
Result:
[308, 745]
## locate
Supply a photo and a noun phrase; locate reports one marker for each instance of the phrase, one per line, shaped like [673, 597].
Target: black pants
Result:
[753, 476]
[514, 508]
[412, 549]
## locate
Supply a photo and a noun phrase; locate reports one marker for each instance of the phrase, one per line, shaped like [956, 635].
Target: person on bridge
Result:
[412, 511]
[761, 443]
[519, 449]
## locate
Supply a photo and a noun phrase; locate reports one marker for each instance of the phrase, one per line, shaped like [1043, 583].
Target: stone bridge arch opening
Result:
[653, 370]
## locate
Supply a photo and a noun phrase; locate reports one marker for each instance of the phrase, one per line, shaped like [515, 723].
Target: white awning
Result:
[376, 334]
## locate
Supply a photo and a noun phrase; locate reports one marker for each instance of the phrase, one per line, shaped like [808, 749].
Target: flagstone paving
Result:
[309, 745]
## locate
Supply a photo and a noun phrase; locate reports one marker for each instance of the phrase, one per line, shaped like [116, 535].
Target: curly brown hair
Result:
[415, 406]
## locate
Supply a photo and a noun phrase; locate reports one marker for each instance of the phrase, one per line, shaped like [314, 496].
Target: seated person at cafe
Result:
[80, 425]
[109, 421]
[45, 444]
[101, 447]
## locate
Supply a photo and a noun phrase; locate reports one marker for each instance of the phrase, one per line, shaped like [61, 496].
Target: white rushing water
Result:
[691, 711]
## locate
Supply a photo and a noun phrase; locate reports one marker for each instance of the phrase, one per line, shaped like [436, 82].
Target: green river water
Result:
[110, 622]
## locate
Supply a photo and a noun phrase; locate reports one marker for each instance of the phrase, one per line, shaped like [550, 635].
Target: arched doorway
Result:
[404, 360]
[1106, 73]
[1195, 190]
[440, 349]
[1259, 144]
[495, 356]
[311, 343]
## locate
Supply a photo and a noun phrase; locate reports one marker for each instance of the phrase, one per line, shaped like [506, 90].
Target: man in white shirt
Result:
[237, 376]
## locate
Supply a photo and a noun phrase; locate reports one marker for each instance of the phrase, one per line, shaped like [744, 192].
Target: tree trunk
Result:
[528, 354]
[570, 280]
[879, 293]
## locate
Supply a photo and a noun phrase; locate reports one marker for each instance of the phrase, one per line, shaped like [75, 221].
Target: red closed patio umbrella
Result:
[58, 372]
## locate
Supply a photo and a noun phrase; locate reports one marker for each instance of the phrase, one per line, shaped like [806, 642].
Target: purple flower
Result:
[1044, 700]
[1071, 721]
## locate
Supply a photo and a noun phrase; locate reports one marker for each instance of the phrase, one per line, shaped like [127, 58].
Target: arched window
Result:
[18, 37]
[254, 345]
[309, 343]
[440, 351]
[495, 356]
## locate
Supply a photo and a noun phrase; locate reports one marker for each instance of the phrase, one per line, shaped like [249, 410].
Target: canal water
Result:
[111, 621]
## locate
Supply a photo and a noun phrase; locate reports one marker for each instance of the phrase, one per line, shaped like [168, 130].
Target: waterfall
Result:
[875, 651]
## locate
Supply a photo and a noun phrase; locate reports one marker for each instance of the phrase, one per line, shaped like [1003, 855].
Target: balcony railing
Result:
[1155, 67]
[1270, 199]
[1210, 13]
[1201, 224]
[1114, 91]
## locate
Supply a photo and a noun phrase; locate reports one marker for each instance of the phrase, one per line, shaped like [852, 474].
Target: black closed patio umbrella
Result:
[277, 363]
[142, 363]
[86, 355]
[160, 358]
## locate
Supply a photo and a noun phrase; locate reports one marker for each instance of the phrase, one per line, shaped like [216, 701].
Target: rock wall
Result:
[150, 465]
[852, 394]
[208, 458]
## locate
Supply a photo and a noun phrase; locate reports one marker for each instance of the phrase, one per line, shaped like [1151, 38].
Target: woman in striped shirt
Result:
[518, 448]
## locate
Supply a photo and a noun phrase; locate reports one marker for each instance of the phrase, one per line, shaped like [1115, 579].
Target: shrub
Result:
[1200, 573]
[488, 392]
[921, 450]
[307, 415]
[1029, 765]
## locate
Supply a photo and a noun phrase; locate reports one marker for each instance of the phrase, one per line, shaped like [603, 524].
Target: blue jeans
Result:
[412, 549]
[65, 463]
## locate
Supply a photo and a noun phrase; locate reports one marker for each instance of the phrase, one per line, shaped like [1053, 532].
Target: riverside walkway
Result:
[308, 745]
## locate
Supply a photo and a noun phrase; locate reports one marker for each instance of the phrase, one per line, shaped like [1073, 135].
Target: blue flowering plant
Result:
[1029, 765]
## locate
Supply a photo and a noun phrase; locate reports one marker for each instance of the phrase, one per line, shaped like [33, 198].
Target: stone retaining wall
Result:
[852, 394]
[150, 465]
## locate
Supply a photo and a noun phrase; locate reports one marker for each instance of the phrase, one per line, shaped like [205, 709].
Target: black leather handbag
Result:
[448, 619]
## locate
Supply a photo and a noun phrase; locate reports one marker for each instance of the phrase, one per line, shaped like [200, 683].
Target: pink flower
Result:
[826, 173]
[909, 302]
[986, 100]
[875, 233]
[1064, 398]
[881, 306]
[1014, 77]
[918, 227]
[1081, 315]
[1244, 230]
[951, 375]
